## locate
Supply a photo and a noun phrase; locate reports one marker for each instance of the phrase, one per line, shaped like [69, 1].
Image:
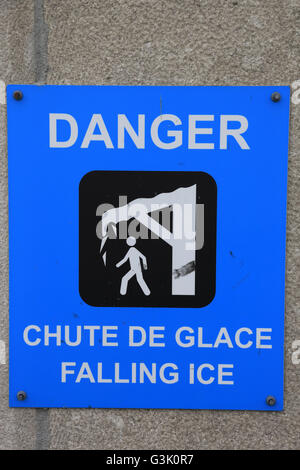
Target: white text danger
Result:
[165, 131]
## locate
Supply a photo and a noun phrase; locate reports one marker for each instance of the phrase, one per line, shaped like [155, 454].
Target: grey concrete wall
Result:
[155, 42]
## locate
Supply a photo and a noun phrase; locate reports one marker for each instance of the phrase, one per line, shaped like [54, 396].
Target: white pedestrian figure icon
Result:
[134, 256]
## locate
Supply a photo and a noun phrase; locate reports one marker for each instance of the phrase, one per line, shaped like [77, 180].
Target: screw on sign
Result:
[275, 97]
[271, 401]
[21, 396]
[18, 95]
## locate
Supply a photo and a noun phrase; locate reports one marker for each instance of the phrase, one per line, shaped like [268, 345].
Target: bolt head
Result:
[271, 401]
[18, 95]
[275, 97]
[21, 396]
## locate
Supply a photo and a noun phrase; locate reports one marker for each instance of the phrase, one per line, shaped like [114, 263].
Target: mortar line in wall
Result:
[41, 69]
[40, 43]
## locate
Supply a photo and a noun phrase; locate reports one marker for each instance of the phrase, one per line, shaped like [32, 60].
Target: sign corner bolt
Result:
[276, 97]
[270, 400]
[18, 95]
[21, 396]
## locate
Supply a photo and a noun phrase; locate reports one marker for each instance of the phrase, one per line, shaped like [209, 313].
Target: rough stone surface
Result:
[149, 42]
[17, 426]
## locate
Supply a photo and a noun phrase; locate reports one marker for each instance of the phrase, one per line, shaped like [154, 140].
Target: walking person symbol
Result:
[134, 256]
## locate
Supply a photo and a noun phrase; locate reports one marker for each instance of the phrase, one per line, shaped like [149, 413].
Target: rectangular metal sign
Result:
[147, 246]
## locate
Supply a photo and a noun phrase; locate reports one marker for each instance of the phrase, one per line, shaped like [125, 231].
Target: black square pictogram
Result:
[125, 256]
